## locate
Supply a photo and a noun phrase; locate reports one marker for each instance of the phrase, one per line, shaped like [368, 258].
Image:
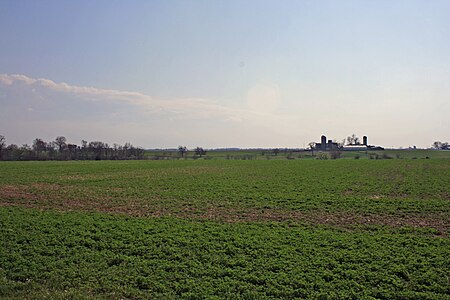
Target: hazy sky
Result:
[225, 73]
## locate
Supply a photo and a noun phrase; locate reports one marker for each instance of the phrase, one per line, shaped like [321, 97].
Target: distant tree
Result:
[139, 153]
[73, 151]
[200, 151]
[51, 150]
[2, 145]
[12, 152]
[60, 149]
[39, 146]
[276, 151]
[116, 151]
[353, 140]
[60, 142]
[183, 150]
[26, 152]
[84, 149]
[312, 146]
[437, 145]
[441, 146]
[97, 149]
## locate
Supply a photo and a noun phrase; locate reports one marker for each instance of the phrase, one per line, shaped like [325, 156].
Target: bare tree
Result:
[39, 146]
[60, 149]
[2, 145]
[441, 145]
[97, 148]
[353, 140]
[73, 151]
[312, 146]
[183, 150]
[60, 142]
[200, 151]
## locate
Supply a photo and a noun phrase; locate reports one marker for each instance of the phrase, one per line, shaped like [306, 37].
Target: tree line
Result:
[60, 149]
[441, 145]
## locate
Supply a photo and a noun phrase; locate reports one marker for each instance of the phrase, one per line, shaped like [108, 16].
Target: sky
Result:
[231, 73]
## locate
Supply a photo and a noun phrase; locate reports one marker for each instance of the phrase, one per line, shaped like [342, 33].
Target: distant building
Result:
[325, 145]
[329, 145]
[355, 148]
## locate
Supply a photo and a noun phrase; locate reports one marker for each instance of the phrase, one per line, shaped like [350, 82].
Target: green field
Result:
[285, 153]
[224, 229]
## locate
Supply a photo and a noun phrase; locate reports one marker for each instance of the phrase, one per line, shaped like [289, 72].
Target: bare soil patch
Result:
[347, 220]
[15, 192]
[75, 198]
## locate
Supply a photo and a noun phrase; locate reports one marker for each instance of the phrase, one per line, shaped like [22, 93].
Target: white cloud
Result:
[390, 115]
[184, 108]
[60, 108]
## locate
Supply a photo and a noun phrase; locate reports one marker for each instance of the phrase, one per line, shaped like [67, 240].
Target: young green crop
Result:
[225, 229]
[389, 189]
[79, 255]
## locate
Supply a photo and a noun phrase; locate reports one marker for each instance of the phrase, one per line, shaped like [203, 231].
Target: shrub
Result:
[322, 156]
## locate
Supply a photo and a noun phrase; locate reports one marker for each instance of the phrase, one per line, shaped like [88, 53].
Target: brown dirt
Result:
[14, 192]
[347, 220]
[66, 198]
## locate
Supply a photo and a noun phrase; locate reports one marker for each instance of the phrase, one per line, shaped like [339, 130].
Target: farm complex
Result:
[330, 145]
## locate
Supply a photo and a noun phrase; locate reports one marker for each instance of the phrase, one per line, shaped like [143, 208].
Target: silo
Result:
[365, 140]
[323, 142]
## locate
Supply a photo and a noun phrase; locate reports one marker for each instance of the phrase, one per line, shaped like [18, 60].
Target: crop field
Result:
[285, 153]
[226, 229]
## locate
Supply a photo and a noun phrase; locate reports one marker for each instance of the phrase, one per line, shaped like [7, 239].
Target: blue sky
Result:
[225, 73]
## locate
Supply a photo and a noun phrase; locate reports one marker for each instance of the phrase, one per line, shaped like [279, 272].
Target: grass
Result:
[243, 229]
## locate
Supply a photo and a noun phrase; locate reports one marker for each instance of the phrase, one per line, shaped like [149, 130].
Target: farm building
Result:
[329, 145]
[325, 145]
[355, 148]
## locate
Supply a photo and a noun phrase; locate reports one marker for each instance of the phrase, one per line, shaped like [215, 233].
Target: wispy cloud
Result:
[183, 108]
[32, 106]
[37, 107]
